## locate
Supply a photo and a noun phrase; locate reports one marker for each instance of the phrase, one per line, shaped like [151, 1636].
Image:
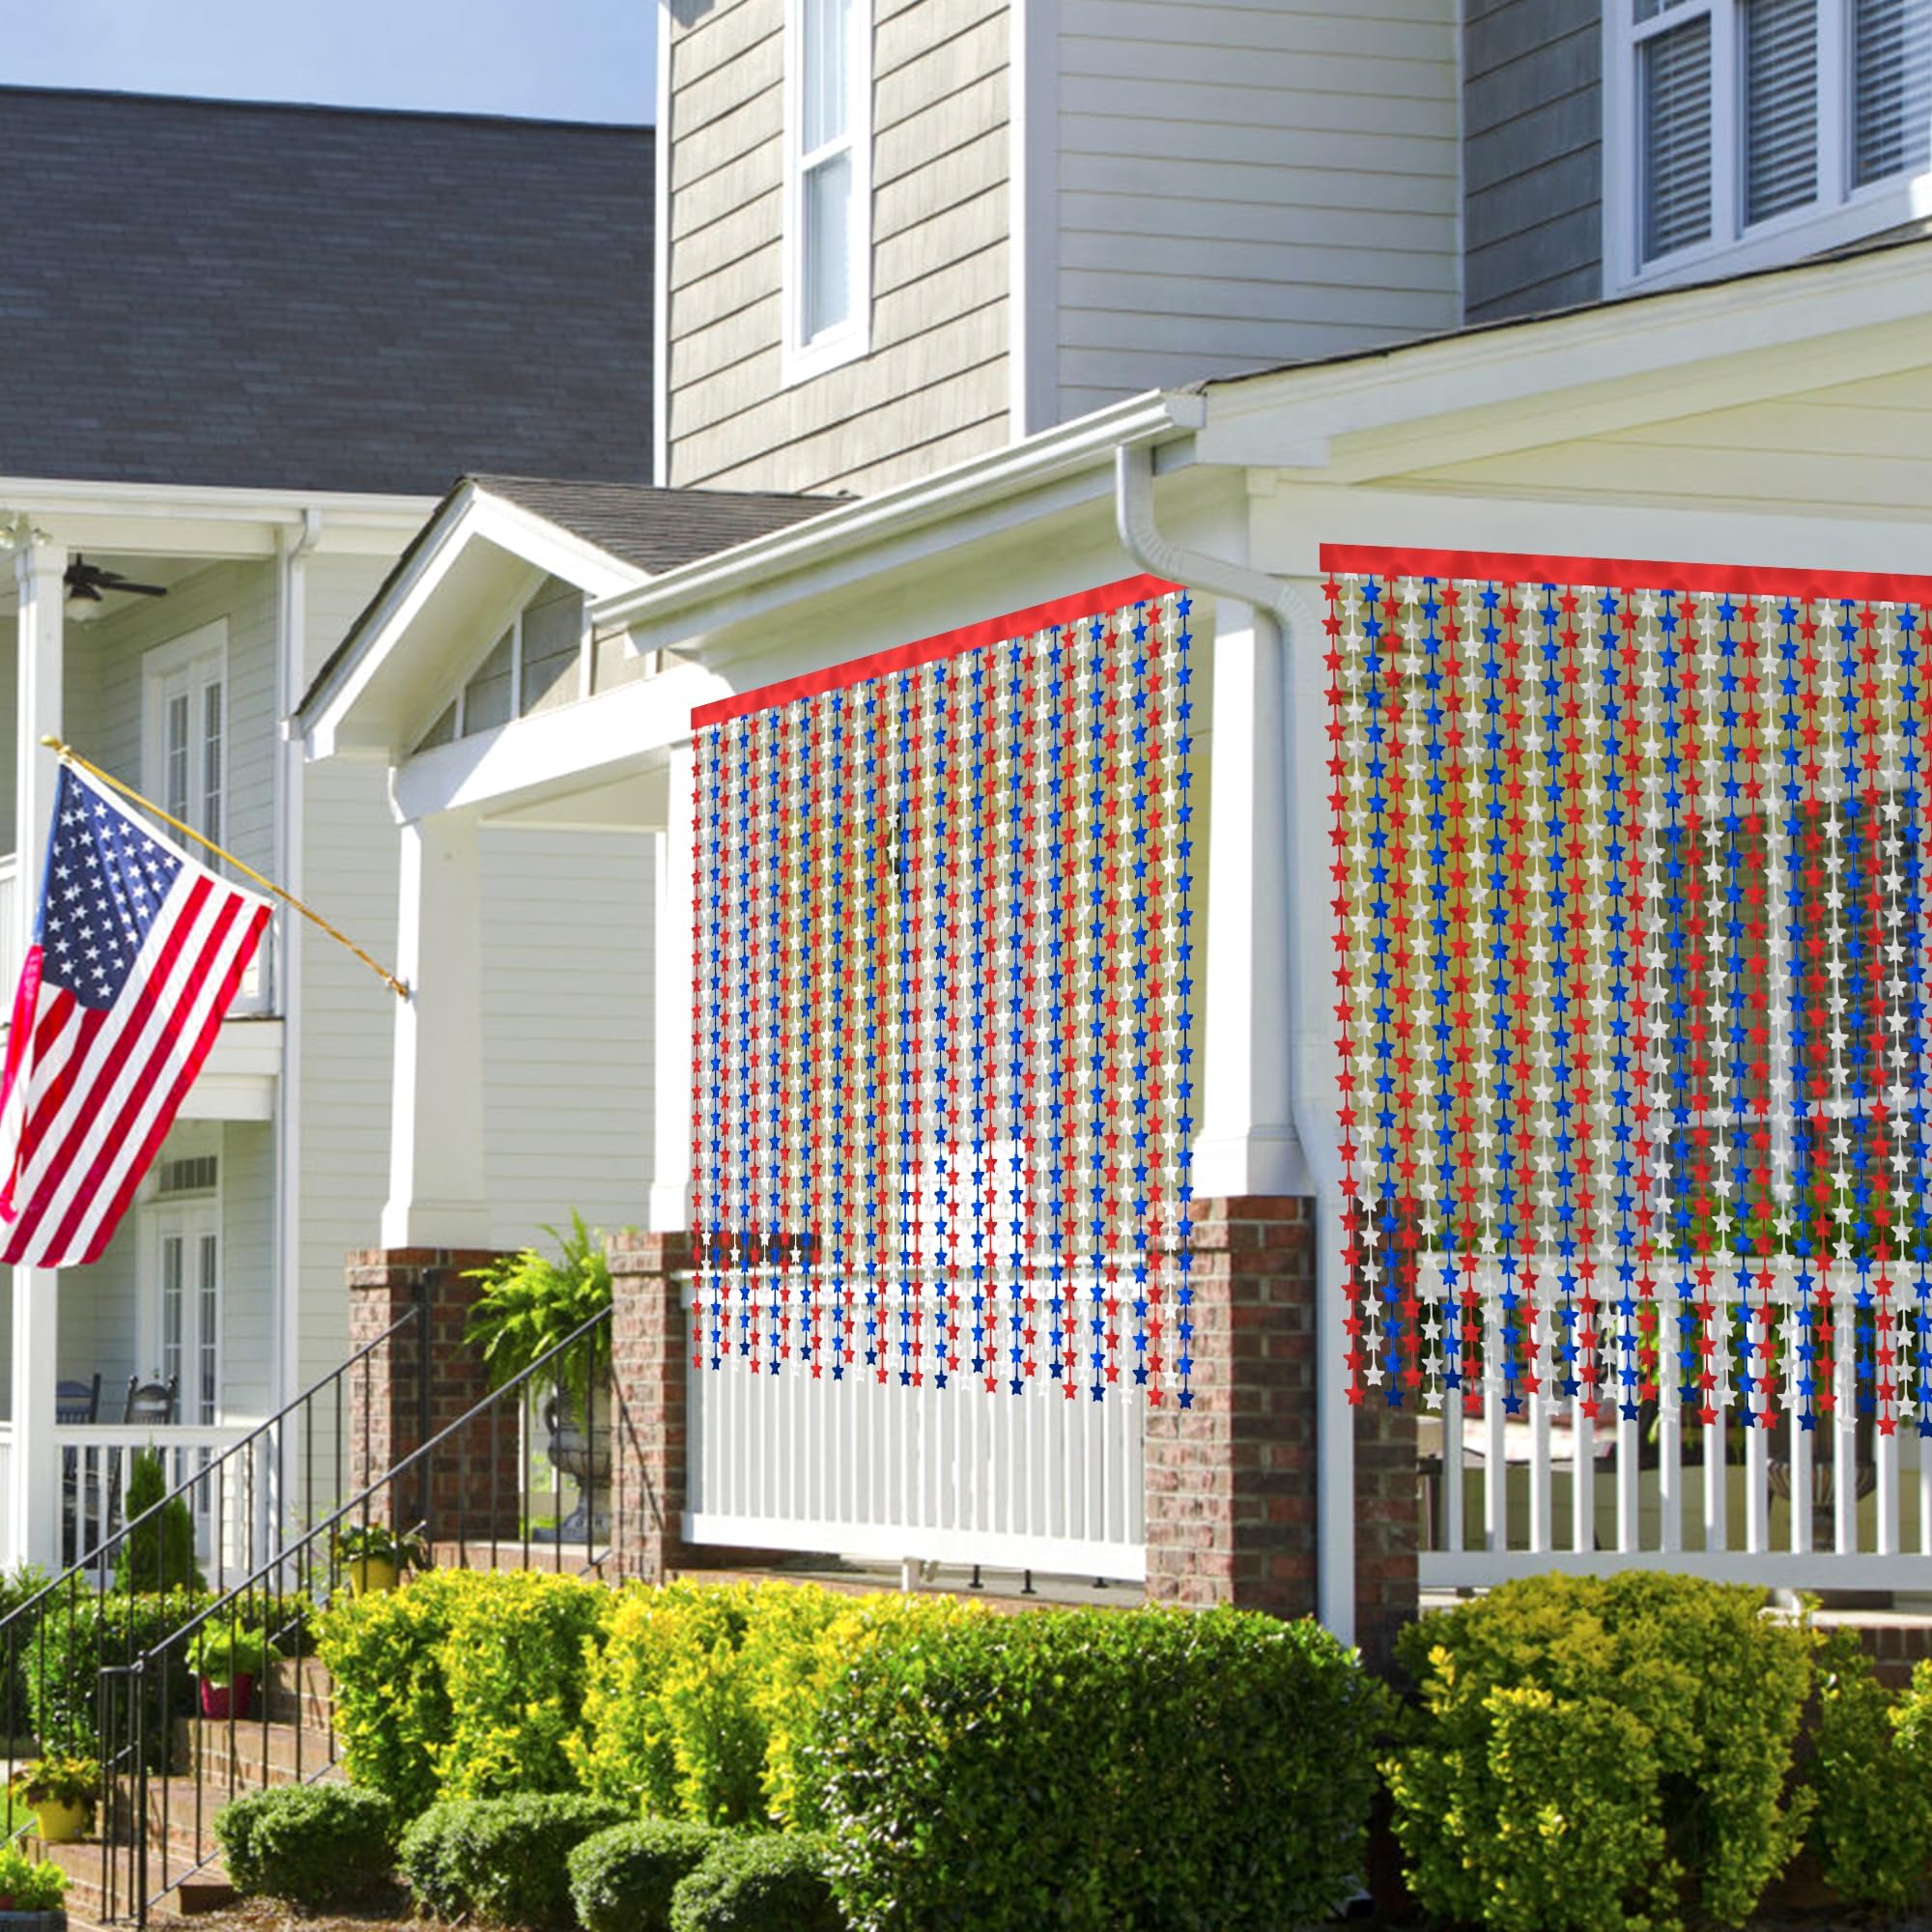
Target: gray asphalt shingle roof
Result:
[320, 299]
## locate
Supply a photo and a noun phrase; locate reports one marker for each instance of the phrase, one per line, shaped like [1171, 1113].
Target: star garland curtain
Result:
[943, 975]
[1631, 929]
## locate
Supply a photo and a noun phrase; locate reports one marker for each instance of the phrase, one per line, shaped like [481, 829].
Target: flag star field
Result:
[944, 1059]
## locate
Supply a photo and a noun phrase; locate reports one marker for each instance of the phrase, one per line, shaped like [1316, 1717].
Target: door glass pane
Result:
[826, 66]
[1675, 91]
[212, 753]
[1781, 96]
[174, 1312]
[1891, 88]
[828, 245]
[175, 758]
[208, 1389]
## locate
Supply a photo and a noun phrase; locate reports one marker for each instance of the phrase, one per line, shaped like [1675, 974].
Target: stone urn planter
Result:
[583, 1455]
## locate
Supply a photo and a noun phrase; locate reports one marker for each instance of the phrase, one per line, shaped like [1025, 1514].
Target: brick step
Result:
[250, 1754]
[85, 1863]
[509, 1552]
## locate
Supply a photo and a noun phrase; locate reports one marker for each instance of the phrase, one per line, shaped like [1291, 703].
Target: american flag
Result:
[137, 953]
[943, 1073]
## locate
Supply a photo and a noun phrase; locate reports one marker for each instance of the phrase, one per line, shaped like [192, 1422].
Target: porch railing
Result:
[1026, 1482]
[227, 1494]
[9, 956]
[1840, 1507]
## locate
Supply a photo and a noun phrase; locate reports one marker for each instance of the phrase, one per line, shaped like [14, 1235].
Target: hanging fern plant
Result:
[530, 1303]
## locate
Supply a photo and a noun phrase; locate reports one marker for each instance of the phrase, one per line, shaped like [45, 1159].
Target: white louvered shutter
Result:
[1675, 92]
[1891, 88]
[1779, 58]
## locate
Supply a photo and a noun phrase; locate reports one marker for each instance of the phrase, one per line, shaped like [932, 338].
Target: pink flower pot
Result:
[227, 1700]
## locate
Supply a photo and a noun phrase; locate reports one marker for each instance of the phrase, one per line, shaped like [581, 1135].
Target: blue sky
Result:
[576, 59]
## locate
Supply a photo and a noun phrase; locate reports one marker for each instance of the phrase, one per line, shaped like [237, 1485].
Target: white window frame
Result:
[1840, 215]
[800, 360]
[193, 1217]
[190, 658]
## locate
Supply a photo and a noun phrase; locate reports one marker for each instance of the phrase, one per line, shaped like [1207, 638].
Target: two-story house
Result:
[1265, 302]
[246, 349]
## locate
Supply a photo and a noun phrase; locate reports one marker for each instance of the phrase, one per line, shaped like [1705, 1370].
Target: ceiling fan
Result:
[87, 582]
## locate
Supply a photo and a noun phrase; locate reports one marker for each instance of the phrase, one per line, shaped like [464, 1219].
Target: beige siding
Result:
[936, 376]
[567, 1026]
[1239, 185]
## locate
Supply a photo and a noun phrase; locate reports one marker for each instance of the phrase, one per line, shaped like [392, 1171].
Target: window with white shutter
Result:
[1747, 133]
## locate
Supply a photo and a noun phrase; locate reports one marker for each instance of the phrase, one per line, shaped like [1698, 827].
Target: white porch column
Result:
[670, 955]
[1247, 1143]
[33, 1526]
[436, 1117]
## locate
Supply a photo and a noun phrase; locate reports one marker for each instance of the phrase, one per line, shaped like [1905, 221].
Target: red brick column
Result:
[470, 1487]
[648, 1352]
[1230, 1482]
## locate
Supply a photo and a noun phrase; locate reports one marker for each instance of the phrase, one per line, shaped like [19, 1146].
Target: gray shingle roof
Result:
[655, 529]
[326, 298]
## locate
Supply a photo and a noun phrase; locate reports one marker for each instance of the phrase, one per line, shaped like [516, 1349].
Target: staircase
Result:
[288, 1740]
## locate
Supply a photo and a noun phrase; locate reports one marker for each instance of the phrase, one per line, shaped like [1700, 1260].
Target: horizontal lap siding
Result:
[935, 385]
[1242, 185]
[567, 1015]
[1532, 101]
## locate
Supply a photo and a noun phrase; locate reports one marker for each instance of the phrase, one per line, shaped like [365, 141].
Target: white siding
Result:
[248, 1269]
[567, 1016]
[1239, 185]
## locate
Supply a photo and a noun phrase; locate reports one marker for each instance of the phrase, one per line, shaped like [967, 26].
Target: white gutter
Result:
[948, 493]
[1282, 609]
[189, 500]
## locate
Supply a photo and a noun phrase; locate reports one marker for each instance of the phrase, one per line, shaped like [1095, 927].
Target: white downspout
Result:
[1283, 608]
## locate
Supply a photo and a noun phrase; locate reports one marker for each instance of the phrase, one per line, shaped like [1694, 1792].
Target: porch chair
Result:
[77, 1404]
[151, 1402]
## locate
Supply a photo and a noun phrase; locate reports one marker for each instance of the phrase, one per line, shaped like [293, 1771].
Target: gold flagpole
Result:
[70, 757]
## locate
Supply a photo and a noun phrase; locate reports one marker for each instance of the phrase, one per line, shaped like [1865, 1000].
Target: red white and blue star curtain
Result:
[1630, 907]
[943, 976]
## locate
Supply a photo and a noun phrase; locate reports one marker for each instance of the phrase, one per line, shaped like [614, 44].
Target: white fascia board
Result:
[665, 606]
[1875, 307]
[327, 718]
[207, 503]
[574, 747]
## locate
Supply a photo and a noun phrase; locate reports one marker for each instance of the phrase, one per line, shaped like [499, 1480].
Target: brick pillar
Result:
[470, 1488]
[648, 1273]
[1230, 1482]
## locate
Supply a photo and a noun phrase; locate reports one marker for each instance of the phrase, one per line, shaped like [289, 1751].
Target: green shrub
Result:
[28, 1887]
[311, 1844]
[505, 1860]
[383, 1654]
[1094, 1769]
[515, 1666]
[621, 1879]
[18, 1587]
[81, 1632]
[1871, 1768]
[157, 1554]
[758, 1883]
[1597, 1754]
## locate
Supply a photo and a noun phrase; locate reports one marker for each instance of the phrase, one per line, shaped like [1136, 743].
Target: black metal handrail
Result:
[53, 1710]
[145, 1686]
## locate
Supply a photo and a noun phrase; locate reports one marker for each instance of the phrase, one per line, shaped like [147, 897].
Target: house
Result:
[1074, 295]
[251, 351]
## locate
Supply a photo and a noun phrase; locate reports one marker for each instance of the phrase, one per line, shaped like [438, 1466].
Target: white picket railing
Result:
[1546, 1489]
[1032, 1481]
[93, 1461]
[10, 954]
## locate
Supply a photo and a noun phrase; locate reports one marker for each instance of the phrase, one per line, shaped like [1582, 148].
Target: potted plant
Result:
[229, 1661]
[531, 1304]
[374, 1557]
[31, 1893]
[60, 1790]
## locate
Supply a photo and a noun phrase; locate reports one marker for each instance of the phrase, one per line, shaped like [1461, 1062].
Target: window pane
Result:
[486, 699]
[1675, 78]
[171, 1306]
[1781, 93]
[212, 754]
[1891, 88]
[177, 754]
[828, 245]
[208, 1339]
[827, 65]
[553, 646]
[442, 732]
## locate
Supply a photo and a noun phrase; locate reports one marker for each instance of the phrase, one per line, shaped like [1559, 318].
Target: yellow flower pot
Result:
[59, 1824]
[368, 1575]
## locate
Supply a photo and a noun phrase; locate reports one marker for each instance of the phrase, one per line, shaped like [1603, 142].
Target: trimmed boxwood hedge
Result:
[758, 1881]
[1095, 1769]
[311, 1844]
[621, 1879]
[505, 1860]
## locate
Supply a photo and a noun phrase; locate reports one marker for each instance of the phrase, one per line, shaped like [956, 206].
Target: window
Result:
[186, 728]
[1745, 132]
[537, 664]
[181, 1248]
[828, 184]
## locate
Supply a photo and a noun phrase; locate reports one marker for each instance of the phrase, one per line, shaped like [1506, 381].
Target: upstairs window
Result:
[537, 664]
[828, 184]
[185, 728]
[1745, 132]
